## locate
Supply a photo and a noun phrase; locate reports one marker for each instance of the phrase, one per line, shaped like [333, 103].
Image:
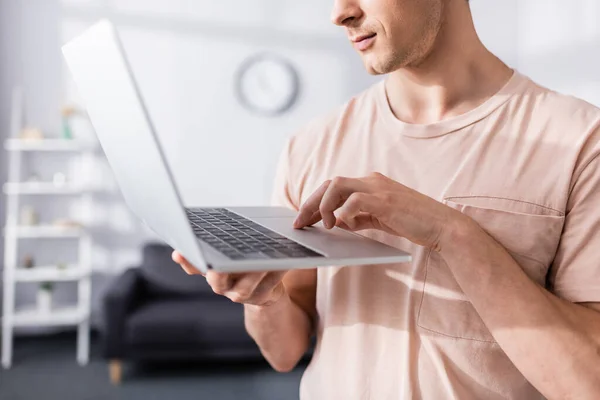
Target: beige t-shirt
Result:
[524, 165]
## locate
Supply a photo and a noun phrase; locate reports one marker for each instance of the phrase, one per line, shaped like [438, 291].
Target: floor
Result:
[45, 369]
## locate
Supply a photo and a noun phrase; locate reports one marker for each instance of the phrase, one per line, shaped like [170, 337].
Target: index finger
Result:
[185, 264]
[311, 206]
[336, 195]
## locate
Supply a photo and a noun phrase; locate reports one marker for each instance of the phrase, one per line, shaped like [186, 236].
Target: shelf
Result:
[41, 231]
[59, 145]
[50, 273]
[41, 188]
[79, 157]
[59, 316]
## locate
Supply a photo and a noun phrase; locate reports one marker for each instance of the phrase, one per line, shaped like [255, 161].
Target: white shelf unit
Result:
[41, 188]
[59, 145]
[40, 231]
[79, 272]
[57, 317]
[50, 273]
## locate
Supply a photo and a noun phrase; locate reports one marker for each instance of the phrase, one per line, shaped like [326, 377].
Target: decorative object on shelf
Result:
[267, 84]
[28, 261]
[61, 266]
[44, 297]
[31, 134]
[59, 179]
[67, 113]
[33, 178]
[66, 223]
[29, 217]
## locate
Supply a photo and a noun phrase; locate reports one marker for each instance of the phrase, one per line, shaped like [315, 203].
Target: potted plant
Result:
[44, 297]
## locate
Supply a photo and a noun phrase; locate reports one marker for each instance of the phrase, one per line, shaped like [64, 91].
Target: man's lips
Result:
[360, 38]
[363, 42]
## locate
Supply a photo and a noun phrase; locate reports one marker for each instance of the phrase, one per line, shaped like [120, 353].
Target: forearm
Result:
[282, 331]
[554, 343]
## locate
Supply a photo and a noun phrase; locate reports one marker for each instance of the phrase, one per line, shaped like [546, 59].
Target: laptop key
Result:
[299, 254]
[247, 250]
[273, 235]
[262, 229]
[311, 253]
[274, 254]
[256, 256]
[255, 235]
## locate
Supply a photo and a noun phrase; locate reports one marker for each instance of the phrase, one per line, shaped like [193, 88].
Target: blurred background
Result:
[88, 294]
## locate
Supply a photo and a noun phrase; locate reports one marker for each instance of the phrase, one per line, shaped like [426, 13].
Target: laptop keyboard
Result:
[239, 238]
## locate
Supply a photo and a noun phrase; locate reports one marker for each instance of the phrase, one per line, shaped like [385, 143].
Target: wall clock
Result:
[267, 84]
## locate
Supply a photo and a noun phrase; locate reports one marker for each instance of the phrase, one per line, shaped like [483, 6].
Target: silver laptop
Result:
[233, 239]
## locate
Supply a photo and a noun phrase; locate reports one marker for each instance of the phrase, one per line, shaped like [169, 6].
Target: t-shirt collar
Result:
[453, 124]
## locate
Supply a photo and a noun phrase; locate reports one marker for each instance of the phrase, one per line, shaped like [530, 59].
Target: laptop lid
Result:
[101, 71]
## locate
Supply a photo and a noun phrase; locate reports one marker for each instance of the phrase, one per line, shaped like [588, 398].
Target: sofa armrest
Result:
[118, 302]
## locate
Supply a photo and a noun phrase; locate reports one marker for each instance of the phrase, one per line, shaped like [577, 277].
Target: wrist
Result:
[457, 234]
[277, 297]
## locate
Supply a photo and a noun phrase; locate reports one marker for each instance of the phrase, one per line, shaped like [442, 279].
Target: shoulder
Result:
[313, 148]
[568, 116]
[564, 126]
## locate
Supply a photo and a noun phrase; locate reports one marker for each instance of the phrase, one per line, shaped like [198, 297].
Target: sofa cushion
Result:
[211, 321]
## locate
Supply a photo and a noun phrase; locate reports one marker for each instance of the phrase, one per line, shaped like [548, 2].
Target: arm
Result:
[552, 340]
[283, 329]
[554, 343]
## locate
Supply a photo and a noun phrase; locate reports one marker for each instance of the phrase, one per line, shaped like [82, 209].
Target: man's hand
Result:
[252, 288]
[377, 202]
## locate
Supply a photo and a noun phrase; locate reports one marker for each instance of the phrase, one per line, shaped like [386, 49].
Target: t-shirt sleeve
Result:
[575, 273]
[283, 189]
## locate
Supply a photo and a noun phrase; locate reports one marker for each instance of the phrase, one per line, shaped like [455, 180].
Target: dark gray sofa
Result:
[156, 312]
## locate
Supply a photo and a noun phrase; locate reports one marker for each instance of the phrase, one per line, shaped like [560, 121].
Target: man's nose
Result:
[345, 12]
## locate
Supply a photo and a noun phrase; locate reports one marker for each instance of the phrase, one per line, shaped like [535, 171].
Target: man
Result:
[490, 181]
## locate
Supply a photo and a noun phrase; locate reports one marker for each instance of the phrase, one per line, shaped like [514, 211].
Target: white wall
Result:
[559, 45]
[185, 54]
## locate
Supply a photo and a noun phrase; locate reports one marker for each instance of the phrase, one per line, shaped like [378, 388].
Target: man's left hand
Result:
[377, 202]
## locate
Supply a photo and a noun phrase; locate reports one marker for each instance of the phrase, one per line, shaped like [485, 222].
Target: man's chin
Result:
[374, 72]
[373, 68]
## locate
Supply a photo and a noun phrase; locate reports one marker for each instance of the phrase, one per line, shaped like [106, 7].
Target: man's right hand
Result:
[251, 288]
